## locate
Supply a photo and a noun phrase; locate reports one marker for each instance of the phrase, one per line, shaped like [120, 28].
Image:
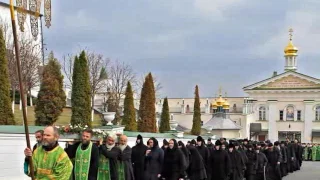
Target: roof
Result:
[279, 76]
[221, 123]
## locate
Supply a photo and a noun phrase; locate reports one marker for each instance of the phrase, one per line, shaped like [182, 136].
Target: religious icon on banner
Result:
[290, 113]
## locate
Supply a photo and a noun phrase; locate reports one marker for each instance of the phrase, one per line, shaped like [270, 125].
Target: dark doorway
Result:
[292, 135]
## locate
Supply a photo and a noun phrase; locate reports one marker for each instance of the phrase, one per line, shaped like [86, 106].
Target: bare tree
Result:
[140, 81]
[119, 75]
[97, 65]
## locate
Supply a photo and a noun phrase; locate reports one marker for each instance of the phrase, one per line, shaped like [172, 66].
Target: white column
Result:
[273, 116]
[308, 117]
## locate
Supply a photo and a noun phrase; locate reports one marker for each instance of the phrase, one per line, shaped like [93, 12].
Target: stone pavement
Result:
[309, 171]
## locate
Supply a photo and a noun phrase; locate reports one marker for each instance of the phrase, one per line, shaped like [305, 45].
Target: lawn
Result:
[64, 118]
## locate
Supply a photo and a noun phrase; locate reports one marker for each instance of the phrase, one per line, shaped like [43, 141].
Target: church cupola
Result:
[290, 54]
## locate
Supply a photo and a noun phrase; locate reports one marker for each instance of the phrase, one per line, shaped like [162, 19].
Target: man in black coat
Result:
[261, 165]
[220, 164]
[251, 164]
[137, 157]
[291, 157]
[284, 160]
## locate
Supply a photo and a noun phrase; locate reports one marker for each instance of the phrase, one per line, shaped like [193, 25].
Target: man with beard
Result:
[204, 152]
[125, 165]
[86, 156]
[237, 164]
[108, 161]
[220, 163]
[50, 161]
[153, 160]
[174, 164]
[137, 157]
[274, 159]
[261, 165]
[39, 135]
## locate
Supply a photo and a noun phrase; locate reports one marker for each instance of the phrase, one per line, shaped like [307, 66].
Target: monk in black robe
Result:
[284, 160]
[251, 164]
[196, 169]
[274, 158]
[125, 163]
[237, 164]
[220, 164]
[261, 165]
[137, 158]
[204, 152]
[209, 144]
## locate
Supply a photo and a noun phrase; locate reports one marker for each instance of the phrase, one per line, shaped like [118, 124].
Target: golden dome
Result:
[226, 105]
[290, 49]
[214, 105]
[220, 101]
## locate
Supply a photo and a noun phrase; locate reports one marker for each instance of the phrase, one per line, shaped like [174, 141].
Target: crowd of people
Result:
[113, 159]
[311, 152]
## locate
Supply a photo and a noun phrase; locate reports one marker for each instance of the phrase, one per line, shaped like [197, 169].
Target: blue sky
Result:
[228, 43]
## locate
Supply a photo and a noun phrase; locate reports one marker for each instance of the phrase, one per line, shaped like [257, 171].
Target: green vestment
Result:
[314, 153]
[82, 162]
[318, 153]
[104, 168]
[305, 153]
[51, 165]
[121, 172]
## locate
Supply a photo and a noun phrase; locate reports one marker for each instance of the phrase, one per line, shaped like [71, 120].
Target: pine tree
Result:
[129, 112]
[165, 117]
[6, 114]
[80, 97]
[196, 126]
[51, 97]
[147, 109]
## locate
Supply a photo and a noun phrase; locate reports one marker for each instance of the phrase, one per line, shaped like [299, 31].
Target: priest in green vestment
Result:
[314, 152]
[318, 153]
[86, 157]
[50, 161]
[108, 161]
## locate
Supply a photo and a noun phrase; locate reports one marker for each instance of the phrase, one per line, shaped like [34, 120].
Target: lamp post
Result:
[34, 10]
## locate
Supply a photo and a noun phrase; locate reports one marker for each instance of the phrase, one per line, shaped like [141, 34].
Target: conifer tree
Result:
[6, 114]
[165, 117]
[80, 97]
[129, 112]
[196, 125]
[147, 109]
[51, 97]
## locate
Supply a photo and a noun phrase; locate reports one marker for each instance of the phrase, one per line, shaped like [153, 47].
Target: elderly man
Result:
[125, 165]
[108, 161]
[86, 156]
[50, 161]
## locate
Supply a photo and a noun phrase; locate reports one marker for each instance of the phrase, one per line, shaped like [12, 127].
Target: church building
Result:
[283, 105]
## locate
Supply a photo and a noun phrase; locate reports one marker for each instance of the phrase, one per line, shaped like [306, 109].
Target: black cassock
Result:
[137, 158]
[196, 169]
[291, 158]
[261, 165]
[205, 153]
[284, 161]
[251, 165]
[237, 165]
[273, 156]
[220, 165]
[125, 158]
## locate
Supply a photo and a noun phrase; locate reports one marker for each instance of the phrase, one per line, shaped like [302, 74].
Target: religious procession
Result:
[109, 159]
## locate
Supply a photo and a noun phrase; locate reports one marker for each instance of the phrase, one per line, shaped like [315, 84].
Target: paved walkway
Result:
[309, 171]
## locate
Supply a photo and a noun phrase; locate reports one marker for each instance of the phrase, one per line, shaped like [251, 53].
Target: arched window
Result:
[262, 113]
[318, 113]
[290, 113]
[188, 109]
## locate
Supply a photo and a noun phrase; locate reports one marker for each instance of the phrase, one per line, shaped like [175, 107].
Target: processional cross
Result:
[290, 33]
[34, 11]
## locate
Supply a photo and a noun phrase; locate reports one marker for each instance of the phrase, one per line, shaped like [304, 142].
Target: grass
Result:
[64, 118]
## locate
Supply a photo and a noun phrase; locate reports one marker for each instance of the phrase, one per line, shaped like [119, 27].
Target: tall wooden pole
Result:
[25, 120]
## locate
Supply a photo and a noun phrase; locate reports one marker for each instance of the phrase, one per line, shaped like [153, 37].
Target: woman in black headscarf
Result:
[153, 160]
[196, 169]
[174, 164]
[185, 151]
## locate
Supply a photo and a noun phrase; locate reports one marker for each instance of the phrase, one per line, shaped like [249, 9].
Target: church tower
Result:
[290, 54]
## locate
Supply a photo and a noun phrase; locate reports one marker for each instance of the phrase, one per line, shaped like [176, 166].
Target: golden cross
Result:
[220, 91]
[290, 33]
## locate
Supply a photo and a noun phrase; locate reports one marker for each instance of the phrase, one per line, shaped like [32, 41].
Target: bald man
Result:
[50, 161]
[125, 164]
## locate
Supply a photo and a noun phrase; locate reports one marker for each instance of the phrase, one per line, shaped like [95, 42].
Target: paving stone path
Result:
[309, 171]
